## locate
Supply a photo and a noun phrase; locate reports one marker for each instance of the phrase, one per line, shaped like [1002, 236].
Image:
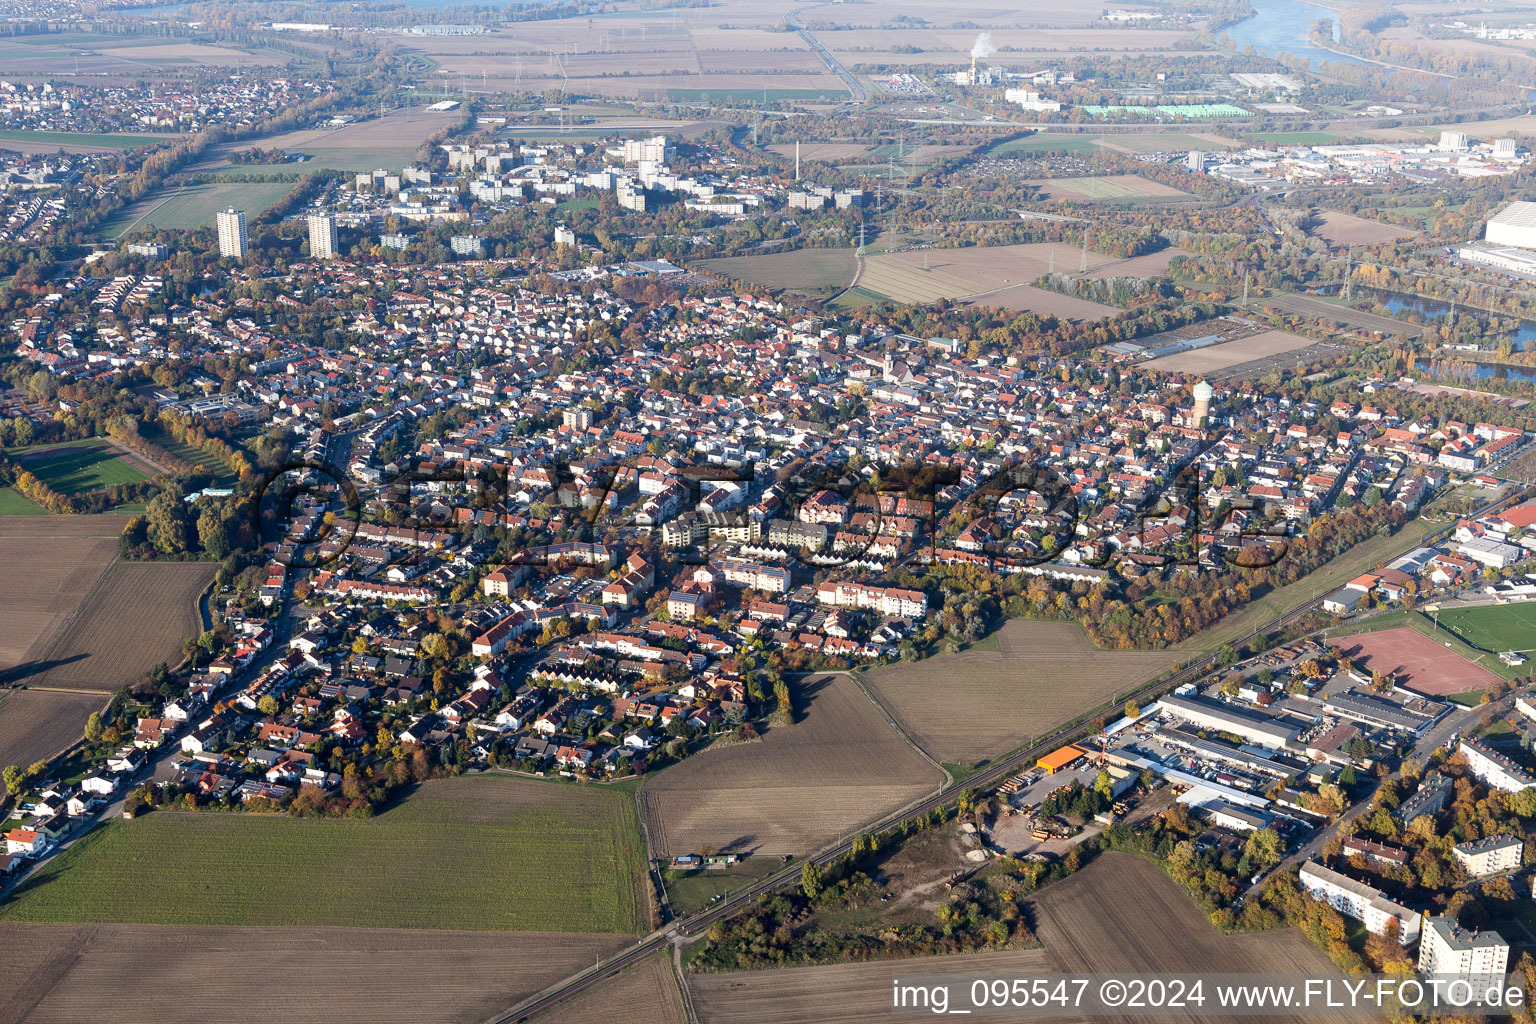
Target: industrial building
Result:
[1255, 726]
[1514, 225]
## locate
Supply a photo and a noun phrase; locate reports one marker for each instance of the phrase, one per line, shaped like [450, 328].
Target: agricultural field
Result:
[485, 852]
[795, 789]
[190, 207]
[106, 54]
[1119, 142]
[389, 142]
[135, 616]
[24, 141]
[647, 992]
[36, 724]
[75, 467]
[993, 276]
[1108, 188]
[843, 993]
[1496, 628]
[974, 705]
[54, 974]
[1419, 663]
[1118, 914]
[801, 270]
[47, 565]
[1342, 230]
[1232, 353]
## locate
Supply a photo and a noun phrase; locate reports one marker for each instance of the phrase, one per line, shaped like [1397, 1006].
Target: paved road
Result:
[856, 91]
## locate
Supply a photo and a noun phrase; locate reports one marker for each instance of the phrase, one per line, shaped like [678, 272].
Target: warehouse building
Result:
[1514, 225]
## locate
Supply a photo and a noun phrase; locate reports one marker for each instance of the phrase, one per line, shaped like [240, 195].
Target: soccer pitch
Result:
[1495, 627]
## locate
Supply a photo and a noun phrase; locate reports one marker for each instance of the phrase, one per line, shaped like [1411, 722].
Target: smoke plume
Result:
[982, 48]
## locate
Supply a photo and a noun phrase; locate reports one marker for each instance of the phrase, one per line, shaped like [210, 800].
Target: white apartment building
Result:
[1490, 856]
[1449, 951]
[1495, 769]
[233, 242]
[322, 236]
[1359, 901]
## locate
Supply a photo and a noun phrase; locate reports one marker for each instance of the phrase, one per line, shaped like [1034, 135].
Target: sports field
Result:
[1417, 662]
[1108, 188]
[1494, 627]
[76, 467]
[194, 206]
[487, 853]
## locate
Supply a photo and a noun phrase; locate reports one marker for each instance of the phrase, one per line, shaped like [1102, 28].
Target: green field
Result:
[194, 206]
[1081, 144]
[1099, 188]
[221, 474]
[1496, 628]
[14, 503]
[75, 467]
[485, 853]
[105, 141]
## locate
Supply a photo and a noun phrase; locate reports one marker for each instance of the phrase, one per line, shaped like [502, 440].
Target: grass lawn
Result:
[221, 474]
[194, 206]
[14, 503]
[75, 467]
[1498, 627]
[691, 890]
[1045, 144]
[475, 852]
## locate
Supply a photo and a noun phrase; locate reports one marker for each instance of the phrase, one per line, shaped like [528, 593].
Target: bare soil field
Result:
[1232, 353]
[647, 992]
[36, 724]
[999, 275]
[974, 705]
[1122, 914]
[798, 787]
[1108, 187]
[136, 616]
[1153, 264]
[390, 140]
[798, 269]
[47, 565]
[1418, 662]
[841, 993]
[191, 975]
[1345, 229]
[953, 46]
[1310, 305]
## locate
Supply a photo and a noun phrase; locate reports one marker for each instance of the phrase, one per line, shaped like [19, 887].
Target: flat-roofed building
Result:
[1450, 951]
[1258, 727]
[1359, 901]
[1496, 769]
[1489, 856]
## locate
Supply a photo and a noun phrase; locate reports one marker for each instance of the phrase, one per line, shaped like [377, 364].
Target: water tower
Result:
[1203, 394]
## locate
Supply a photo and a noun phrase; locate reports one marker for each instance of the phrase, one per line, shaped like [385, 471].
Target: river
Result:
[1285, 26]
